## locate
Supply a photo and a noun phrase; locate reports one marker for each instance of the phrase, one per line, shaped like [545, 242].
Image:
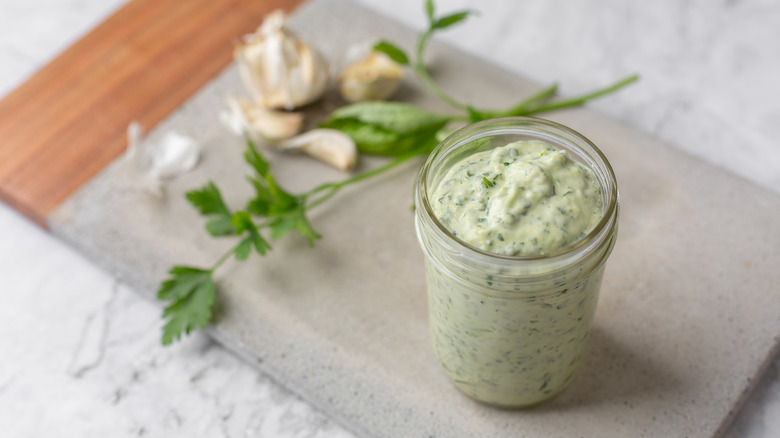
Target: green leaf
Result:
[261, 204]
[392, 51]
[373, 140]
[423, 141]
[449, 20]
[219, 227]
[487, 183]
[429, 10]
[261, 245]
[242, 221]
[253, 157]
[281, 201]
[369, 139]
[396, 117]
[243, 249]
[474, 115]
[270, 199]
[387, 128]
[190, 311]
[208, 200]
[294, 221]
[182, 280]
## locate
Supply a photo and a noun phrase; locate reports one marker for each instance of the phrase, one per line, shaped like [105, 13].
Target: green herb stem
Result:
[225, 257]
[529, 103]
[422, 72]
[334, 187]
[579, 100]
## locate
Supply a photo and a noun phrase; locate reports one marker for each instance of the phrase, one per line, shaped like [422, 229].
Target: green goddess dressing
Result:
[516, 347]
[523, 199]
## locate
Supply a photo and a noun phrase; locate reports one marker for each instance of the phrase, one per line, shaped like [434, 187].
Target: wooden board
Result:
[687, 318]
[69, 120]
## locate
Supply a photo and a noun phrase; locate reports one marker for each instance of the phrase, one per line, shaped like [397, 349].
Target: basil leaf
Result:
[399, 118]
[369, 139]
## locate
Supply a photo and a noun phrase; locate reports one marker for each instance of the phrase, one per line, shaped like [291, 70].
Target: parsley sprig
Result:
[394, 129]
[269, 215]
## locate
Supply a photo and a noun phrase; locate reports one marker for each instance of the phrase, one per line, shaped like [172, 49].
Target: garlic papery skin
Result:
[280, 70]
[328, 145]
[151, 163]
[375, 77]
[262, 124]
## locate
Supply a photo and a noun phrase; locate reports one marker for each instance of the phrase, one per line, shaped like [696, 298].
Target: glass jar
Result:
[512, 331]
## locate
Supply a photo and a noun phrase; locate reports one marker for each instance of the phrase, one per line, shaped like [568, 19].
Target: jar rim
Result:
[505, 125]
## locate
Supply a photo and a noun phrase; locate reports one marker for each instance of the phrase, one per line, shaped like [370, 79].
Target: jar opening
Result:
[489, 134]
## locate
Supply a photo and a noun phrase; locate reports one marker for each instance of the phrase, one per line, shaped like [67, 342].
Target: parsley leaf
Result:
[191, 294]
[243, 249]
[253, 157]
[270, 199]
[208, 201]
[219, 227]
[243, 223]
[295, 220]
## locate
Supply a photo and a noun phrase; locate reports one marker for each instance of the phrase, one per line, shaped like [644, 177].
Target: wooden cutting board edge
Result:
[68, 121]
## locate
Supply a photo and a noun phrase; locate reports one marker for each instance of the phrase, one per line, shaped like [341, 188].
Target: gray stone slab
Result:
[689, 313]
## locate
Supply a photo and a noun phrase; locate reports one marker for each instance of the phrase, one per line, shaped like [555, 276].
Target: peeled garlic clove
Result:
[329, 145]
[280, 70]
[262, 124]
[375, 77]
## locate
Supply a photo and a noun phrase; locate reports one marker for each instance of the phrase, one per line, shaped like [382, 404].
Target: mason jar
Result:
[512, 331]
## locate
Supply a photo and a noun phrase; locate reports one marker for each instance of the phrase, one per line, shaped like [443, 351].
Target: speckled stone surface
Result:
[689, 311]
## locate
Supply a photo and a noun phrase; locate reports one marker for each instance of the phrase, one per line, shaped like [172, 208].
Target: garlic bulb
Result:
[280, 70]
[375, 77]
[261, 124]
[329, 145]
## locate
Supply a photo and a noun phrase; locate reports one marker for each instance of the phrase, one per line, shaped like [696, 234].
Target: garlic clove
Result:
[150, 163]
[262, 124]
[329, 145]
[375, 77]
[280, 70]
[174, 155]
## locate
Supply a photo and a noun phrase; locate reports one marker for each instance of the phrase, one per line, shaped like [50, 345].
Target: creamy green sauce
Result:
[510, 351]
[523, 199]
[514, 345]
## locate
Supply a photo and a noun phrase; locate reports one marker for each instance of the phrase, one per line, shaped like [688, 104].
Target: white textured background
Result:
[79, 352]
